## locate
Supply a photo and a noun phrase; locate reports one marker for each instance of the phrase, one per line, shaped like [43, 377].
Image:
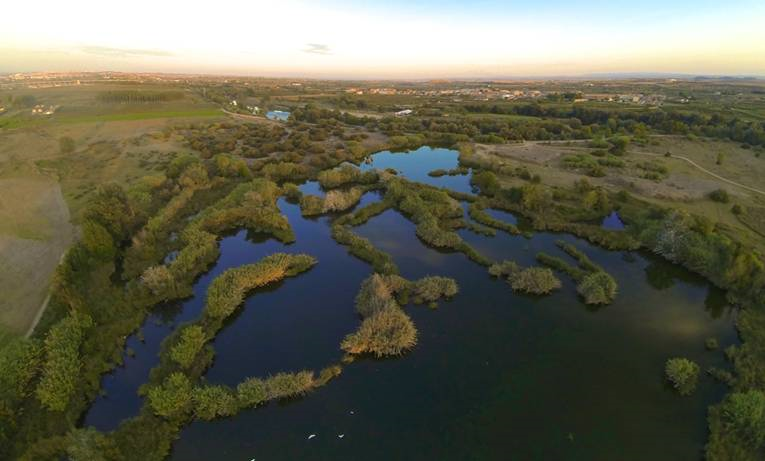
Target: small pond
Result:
[280, 115]
[415, 166]
[613, 222]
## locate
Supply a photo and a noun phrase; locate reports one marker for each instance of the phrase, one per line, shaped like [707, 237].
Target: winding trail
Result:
[652, 154]
[701, 168]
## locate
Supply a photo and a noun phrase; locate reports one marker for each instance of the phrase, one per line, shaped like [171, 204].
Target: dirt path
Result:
[704, 170]
[252, 118]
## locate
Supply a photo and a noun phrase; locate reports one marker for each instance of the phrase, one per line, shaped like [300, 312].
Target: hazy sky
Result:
[387, 39]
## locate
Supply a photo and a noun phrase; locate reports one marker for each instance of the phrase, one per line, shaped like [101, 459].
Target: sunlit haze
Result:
[417, 39]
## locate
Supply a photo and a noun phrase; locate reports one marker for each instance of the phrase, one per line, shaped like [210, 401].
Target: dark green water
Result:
[495, 376]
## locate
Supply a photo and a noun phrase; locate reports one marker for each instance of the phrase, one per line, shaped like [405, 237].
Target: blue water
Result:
[416, 164]
[613, 222]
[280, 115]
[495, 375]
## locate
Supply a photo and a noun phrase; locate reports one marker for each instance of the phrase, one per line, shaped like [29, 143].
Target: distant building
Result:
[403, 113]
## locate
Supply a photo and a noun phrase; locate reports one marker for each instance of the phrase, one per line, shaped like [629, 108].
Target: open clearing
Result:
[34, 233]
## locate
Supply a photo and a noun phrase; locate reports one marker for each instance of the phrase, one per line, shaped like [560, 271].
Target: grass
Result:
[34, 233]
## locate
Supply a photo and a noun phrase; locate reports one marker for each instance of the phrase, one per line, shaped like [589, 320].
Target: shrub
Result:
[534, 280]
[431, 289]
[363, 249]
[173, 398]
[311, 205]
[487, 182]
[711, 344]
[744, 414]
[227, 291]
[597, 288]
[476, 213]
[720, 195]
[387, 332]
[285, 385]
[683, 374]
[191, 342]
[504, 268]
[341, 200]
[212, 402]
[346, 174]
[159, 280]
[327, 374]
[374, 296]
[66, 145]
[251, 392]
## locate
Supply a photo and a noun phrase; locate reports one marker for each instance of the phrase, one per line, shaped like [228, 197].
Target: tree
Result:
[597, 199]
[62, 362]
[619, 144]
[683, 374]
[97, 240]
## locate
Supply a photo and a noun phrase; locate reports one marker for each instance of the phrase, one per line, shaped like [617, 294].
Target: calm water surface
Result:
[280, 115]
[495, 375]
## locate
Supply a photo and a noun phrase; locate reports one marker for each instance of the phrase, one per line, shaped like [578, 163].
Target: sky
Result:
[386, 39]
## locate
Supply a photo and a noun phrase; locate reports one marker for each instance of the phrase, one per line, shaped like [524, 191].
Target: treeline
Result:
[662, 121]
[136, 96]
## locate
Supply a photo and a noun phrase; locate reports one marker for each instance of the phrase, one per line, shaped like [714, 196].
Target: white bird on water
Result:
[311, 436]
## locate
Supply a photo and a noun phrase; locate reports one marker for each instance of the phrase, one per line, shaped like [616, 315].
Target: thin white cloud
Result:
[317, 48]
[106, 51]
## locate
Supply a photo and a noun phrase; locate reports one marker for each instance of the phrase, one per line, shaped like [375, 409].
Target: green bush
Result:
[683, 374]
[720, 195]
[212, 402]
[431, 289]
[375, 295]
[387, 332]
[363, 249]
[346, 174]
[286, 385]
[192, 340]
[504, 269]
[534, 280]
[744, 413]
[227, 291]
[173, 398]
[597, 288]
[251, 392]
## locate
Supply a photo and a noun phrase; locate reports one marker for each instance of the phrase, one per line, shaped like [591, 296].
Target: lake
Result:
[495, 375]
